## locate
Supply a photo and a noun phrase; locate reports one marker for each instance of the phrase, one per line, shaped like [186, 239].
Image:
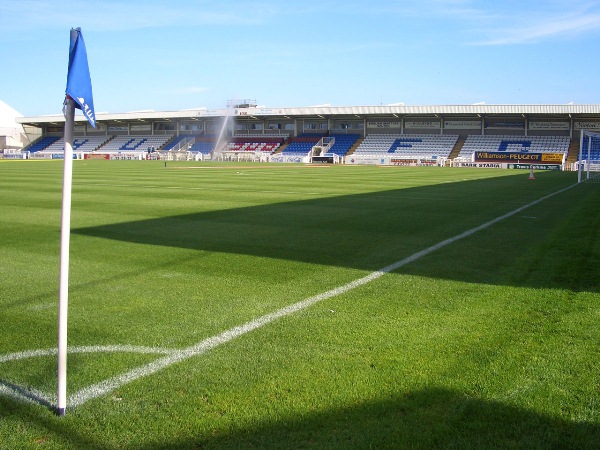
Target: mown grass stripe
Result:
[204, 346]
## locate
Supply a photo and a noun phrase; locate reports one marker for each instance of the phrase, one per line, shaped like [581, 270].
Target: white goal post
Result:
[588, 163]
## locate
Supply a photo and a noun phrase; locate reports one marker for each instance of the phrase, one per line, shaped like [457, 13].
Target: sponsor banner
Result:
[62, 155]
[481, 165]
[549, 126]
[504, 124]
[428, 124]
[147, 127]
[281, 158]
[553, 158]
[388, 161]
[46, 155]
[591, 126]
[462, 124]
[412, 162]
[322, 159]
[127, 155]
[534, 166]
[403, 162]
[506, 157]
[96, 156]
[384, 125]
[368, 160]
[14, 156]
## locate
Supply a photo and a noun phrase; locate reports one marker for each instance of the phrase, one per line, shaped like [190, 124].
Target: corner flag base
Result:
[61, 412]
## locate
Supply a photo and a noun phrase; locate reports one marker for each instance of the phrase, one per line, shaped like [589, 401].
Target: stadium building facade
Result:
[385, 134]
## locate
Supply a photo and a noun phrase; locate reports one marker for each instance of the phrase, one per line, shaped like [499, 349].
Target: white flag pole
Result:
[65, 236]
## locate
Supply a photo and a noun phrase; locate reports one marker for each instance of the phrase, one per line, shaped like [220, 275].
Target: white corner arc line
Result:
[87, 349]
[108, 385]
[32, 395]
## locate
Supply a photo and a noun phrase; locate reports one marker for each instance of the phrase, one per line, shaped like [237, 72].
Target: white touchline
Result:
[106, 386]
[175, 356]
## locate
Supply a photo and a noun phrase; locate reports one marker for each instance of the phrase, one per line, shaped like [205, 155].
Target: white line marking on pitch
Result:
[175, 356]
[32, 395]
[88, 349]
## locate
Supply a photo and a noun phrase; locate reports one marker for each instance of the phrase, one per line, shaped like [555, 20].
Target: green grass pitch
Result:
[490, 341]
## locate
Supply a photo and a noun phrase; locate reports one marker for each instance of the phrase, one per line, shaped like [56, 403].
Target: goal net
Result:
[588, 162]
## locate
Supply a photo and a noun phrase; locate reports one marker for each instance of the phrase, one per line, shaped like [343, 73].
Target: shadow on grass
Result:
[370, 231]
[27, 394]
[431, 418]
[41, 430]
[426, 419]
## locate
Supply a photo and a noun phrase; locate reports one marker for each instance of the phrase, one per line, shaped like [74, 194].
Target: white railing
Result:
[184, 145]
[322, 147]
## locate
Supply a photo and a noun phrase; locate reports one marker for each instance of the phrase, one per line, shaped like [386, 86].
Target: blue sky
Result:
[183, 54]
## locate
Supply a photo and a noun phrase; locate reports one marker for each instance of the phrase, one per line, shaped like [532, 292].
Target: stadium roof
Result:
[569, 110]
[8, 115]
[10, 128]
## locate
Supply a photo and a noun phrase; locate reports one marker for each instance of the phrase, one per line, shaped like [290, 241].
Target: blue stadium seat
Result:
[42, 143]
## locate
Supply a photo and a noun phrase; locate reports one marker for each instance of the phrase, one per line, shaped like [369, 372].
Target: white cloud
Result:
[542, 29]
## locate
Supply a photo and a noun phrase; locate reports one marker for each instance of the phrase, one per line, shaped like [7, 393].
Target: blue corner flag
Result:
[79, 83]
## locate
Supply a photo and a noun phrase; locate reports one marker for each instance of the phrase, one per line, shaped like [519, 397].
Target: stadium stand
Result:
[135, 143]
[594, 151]
[499, 143]
[204, 145]
[176, 141]
[394, 134]
[42, 143]
[81, 144]
[424, 146]
[594, 155]
[255, 144]
[343, 143]
[303, 143]
[399, 146]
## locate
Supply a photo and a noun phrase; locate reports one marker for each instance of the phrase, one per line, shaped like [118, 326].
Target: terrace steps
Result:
[355, 146]
[573, 152]
[457, 147]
